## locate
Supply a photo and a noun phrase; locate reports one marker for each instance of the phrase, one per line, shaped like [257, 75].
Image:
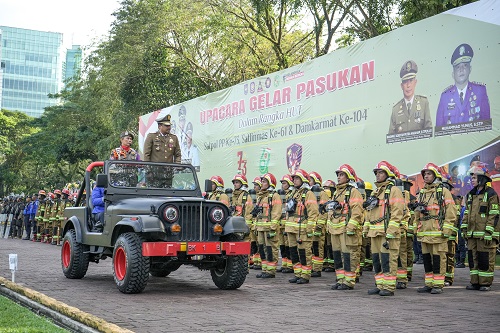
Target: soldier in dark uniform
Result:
[125, 152]
[464, 101]
[162, 146]
[412, 112]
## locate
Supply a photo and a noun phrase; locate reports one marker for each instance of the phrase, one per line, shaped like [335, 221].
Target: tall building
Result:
[32, 69]
[73, 65]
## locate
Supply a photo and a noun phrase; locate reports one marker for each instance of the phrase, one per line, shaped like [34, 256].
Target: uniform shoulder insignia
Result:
[448, 88]
[399, 102]
[478, 83]
[421, 96]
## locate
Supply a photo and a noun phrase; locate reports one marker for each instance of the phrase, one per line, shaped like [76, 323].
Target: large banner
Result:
[427, 92]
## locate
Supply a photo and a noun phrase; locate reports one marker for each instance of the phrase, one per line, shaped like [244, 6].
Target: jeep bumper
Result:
[171, 249]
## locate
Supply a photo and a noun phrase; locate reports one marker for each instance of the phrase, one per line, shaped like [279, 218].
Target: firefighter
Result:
[410, 236]
[328, 265]
[218, 190]
[366, 242]
[267, 212]
[40, 213]
[54, 211]
[256, 258]
[318, 244]
[286, 193]
[241, 205]
[63, 203]
[452, 241]
[344, 224]
[402, 272]
[385, 212]
[302, 214]
[435, 216]
[481, 229]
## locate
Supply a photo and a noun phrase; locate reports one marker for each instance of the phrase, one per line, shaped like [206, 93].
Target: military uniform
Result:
[456, 106]
[474, 105]
[121, 153]
[344, 226]
[435, 224]
[162, 148]
[413, 114]
[416, 118]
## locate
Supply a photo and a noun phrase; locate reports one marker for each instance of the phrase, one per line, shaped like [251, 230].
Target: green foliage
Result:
[16, 318]
[164, 52]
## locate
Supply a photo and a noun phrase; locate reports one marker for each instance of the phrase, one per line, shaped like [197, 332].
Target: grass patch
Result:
[15, 318]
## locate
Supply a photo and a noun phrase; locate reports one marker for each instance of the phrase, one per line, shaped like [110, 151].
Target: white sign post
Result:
[13, 265]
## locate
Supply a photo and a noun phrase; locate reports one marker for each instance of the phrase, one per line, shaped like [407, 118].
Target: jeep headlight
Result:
[171, 214]
[216, 215]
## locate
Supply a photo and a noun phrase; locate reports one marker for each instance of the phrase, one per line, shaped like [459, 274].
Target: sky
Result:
[81, 21]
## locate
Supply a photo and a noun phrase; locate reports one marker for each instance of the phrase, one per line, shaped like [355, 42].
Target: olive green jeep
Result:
[155, 220]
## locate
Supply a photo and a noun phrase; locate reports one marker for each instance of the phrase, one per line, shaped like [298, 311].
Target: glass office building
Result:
[73, 65]
[32, 68]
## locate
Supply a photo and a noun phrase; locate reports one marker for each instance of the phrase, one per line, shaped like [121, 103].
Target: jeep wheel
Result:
[130, 267]
[74, 256]
[231, 273]
[163, 272]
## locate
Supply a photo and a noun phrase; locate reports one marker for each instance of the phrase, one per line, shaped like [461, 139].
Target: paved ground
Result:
[188, 301]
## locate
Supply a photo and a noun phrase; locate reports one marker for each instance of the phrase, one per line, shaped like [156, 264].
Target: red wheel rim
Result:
[66, 254]
[120, 263]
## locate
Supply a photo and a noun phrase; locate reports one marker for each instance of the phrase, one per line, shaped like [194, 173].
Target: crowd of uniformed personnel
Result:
[37, 218]
[350, 227]
[346, 227]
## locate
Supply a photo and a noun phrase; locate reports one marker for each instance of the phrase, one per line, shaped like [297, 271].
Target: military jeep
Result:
[155, 220]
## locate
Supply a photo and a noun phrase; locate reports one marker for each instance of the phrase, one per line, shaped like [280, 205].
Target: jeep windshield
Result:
[151, 176]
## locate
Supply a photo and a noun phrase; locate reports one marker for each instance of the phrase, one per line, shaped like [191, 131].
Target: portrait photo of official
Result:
[464, 101]
[411, 113]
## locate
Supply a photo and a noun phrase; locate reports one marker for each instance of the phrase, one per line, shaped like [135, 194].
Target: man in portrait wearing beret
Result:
[464, 101]
[162, 146]
[411, 113]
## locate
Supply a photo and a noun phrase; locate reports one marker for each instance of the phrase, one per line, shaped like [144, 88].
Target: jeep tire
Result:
[231, 273]
[74, 256]
[130, 267]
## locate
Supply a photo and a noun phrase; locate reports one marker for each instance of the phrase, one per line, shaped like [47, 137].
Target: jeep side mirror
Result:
[208, 185]
[101, 180]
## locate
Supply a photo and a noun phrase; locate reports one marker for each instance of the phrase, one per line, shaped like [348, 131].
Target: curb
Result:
[64, 315]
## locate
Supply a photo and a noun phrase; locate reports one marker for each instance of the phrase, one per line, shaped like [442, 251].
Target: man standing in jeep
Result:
[162, 146]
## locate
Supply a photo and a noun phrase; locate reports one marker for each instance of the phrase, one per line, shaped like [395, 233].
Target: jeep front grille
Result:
[194, 224]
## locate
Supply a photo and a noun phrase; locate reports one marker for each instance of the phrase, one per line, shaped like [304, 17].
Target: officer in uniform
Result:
[267, 212]
[318, 245]
[412, 112]
[162, 146]
[218, 190]
[286, 194]
[27, 215]
[385, 212]
[435, 216]
[464, 101]
[63, 203]
[481, 228]
[125, 152]
[302, 214]
[344, 225]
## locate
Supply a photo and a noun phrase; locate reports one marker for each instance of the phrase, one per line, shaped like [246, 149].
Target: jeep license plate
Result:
[204, 248]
